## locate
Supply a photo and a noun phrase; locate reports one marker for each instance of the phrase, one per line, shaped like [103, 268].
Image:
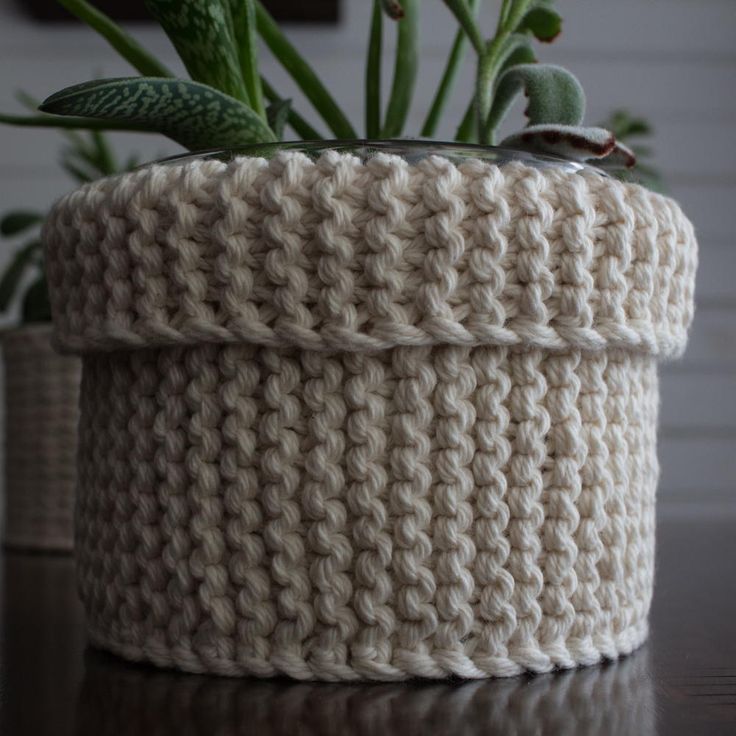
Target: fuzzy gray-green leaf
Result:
[202, 33]
[567, 141]
[192, 114]
[555, 95]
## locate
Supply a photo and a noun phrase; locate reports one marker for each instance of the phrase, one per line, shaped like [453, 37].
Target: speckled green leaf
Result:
[192, 114]
[202, 33]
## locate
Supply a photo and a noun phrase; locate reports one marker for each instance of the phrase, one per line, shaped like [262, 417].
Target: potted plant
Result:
[363, 409]
[41, 386]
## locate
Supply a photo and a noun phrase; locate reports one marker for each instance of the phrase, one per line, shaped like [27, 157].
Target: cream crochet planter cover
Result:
[378, 419]
[41, 413]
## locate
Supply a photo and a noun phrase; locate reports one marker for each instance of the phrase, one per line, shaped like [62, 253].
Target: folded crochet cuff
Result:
[343, 254]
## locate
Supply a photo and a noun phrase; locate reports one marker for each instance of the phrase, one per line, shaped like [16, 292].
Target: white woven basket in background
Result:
[41, 414]
[349, 419]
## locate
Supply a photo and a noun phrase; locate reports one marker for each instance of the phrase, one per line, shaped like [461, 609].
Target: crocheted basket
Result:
[41, 414]
[374, 418]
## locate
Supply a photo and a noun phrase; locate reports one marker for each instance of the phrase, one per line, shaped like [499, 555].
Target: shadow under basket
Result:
[41, 414]
[354, 415]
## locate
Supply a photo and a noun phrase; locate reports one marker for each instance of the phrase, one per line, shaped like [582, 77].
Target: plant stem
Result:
[123, 43]
[515, 12]
[466, 18]
[405, 71]
[504, 14]
[296, 121]
[491, 61]
[457, 55]
[302, 74]
[373, 73]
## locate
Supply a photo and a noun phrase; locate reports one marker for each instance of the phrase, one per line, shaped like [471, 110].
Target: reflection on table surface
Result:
[118, 699]
[683, 681]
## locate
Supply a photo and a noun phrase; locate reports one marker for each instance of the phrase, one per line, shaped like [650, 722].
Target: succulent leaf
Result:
[36, 305]
[124, 44]
[620, 156]
[19, 221]
[192, 114]
[14, 272]
[543, 23]
[555, 95]
[202, 33]
[406, 65]
[373, 73]
[246, 38]
[303, 74]
[278, 115]
[573, 142]
[625, 125]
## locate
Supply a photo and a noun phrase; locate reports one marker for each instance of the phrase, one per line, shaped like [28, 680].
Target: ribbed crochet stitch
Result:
[41, 413]
[348, 419]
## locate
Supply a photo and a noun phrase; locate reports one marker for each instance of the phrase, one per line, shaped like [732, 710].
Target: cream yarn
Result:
[41, 412]
[349, 419]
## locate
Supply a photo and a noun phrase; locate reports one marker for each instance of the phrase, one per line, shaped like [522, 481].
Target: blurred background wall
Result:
[671, 61]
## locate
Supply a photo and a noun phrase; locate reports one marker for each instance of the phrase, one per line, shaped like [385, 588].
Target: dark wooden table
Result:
[682, 682]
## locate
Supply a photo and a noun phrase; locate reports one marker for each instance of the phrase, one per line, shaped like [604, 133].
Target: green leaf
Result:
[76, 172]
[16, 222]
[124, 44]
[544, 23]
[69, 123]
[405, 71]
[278, 116]
[246, 38]
[373, 74]
[192, 114]
[302, 128]
[625, 125]
[518, 51]
[555, 95]
[303, 74]
[202, 33]
[130, 163]
[454, 61]
[465, 16]
[14, 272]
[36, 305]
[467, 131]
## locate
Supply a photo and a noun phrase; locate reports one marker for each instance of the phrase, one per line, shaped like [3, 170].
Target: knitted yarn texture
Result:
[349, 419]
[41, 413]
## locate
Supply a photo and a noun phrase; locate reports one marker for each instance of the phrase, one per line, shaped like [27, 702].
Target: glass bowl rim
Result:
[408, 148]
